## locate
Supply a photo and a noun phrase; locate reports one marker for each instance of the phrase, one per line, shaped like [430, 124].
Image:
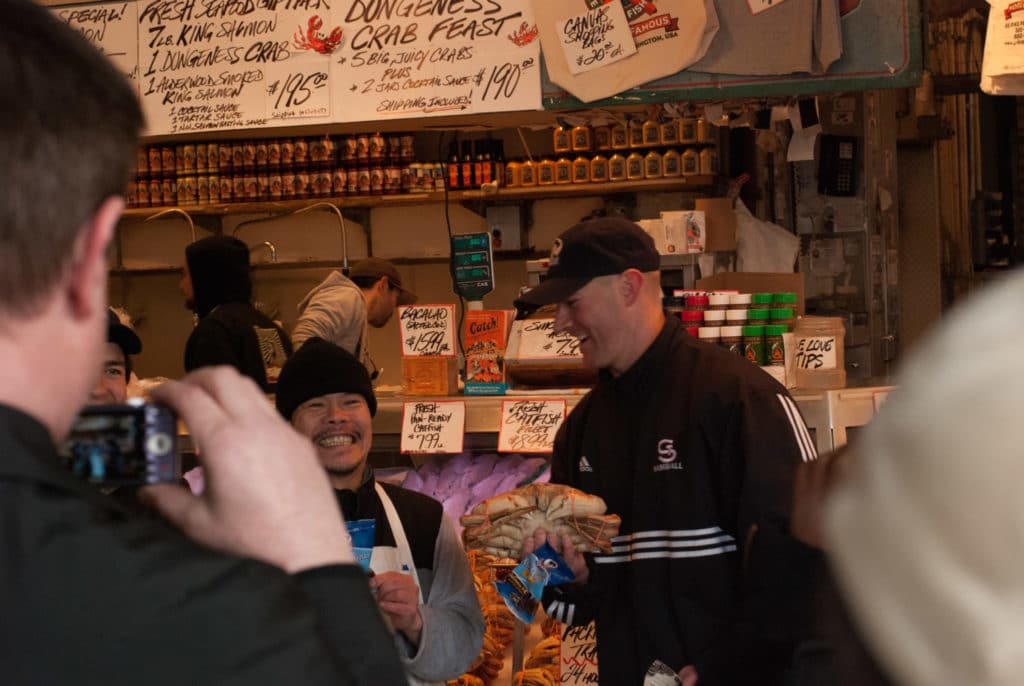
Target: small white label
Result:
[816, 352]
[433, 426]
[758, 6]
[529, 426]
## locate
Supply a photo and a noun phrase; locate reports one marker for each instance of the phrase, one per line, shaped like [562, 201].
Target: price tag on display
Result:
[578, 655]
[427, 330]
[433, 426]
[538, 340]
[529, 426]
[600, 36]
[298, 88]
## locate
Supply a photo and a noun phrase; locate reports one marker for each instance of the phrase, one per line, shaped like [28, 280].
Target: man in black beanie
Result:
[421, 576]
[218, 288]
[116, 366]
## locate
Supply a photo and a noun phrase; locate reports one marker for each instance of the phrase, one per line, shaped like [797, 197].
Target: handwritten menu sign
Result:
[415, 59]
[427, 330]
[578, 658]
[112, 28]
[433, 426]
[816, 352]
[600, 36]
[222, 64]
[537, 339]
[529, 426]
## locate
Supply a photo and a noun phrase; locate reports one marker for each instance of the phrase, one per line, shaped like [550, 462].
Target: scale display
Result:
[472, 265]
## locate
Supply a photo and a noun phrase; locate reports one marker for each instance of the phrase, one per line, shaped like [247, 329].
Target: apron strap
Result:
[401, 542]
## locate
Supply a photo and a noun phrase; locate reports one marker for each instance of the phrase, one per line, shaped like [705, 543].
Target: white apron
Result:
[397, 559]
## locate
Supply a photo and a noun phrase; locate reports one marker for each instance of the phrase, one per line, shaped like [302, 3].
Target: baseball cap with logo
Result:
[593, 248]
[374, 268]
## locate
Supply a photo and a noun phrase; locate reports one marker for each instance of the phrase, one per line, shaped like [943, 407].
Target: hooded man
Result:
[339, 309]
[422, 579]
[218, 288]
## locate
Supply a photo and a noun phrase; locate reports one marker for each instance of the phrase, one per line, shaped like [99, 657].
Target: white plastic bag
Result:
[762, 246]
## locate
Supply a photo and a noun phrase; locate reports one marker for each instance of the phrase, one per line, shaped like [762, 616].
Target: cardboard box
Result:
[757, 282]
[719, 223]
[430, 375]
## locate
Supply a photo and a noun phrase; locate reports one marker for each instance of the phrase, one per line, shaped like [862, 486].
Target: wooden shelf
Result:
[682, 183]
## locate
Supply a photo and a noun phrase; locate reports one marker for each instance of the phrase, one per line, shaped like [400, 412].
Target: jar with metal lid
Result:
[561, 140]
[546, 173]
[670, 132]
[602, 137]
[635, 166]
[580, 138]
[652, 133]
[652, 165]
[671, 163]
[563, 171]
[636, 133]
[732, 339]
[513, 174]
[714, 317]
[736, 317]
[819, 352]
[616, 168]
[709, 161]
[599, 169]
[690, 162]
[688, 130]
[529, 174]
[781, 316]
[774, 345]
[710, 334]
[757, 316]
[581, 170]
[753, 344]
[619, 137]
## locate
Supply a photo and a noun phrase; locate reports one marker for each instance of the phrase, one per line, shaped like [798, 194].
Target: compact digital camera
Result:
[124, 445]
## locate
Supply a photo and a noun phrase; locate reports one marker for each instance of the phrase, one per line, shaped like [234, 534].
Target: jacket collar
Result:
[650, 363]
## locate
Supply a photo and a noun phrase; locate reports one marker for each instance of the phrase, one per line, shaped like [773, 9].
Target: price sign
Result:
[578, 656]
[299, 88]
[427, 330]
[529, 426]
[599, 37]
[433, 426]
[537, 339]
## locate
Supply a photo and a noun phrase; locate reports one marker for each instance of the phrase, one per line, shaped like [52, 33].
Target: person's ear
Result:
[87, 275]
[631, 284]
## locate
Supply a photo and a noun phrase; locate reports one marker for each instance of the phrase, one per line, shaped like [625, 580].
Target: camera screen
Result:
[122, 446]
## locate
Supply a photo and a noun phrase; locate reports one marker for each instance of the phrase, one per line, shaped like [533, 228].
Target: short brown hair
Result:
[69, 126]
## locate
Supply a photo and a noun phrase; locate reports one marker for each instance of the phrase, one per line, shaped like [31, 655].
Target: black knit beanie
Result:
[321, 368]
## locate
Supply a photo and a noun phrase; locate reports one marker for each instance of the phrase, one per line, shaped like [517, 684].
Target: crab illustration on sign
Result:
[525, 35]
[313, 39]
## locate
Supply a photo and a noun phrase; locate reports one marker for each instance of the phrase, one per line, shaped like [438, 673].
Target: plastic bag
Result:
[762, 246]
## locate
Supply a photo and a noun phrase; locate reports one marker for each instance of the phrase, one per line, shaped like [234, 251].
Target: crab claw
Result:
[315, 23]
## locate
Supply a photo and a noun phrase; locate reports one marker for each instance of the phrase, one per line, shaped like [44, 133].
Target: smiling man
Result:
[122, 342]
[695, 448]
[421, 575]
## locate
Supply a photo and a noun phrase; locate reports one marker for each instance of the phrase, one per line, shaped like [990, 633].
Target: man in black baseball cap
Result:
[116, 369]
[695, 449]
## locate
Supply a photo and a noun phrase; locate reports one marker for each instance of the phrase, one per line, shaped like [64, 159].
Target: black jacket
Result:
[695, 449]
[230, 330]
[92, 593]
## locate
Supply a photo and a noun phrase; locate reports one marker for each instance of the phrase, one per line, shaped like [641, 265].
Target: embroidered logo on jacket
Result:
[667, 456]
[585, 465]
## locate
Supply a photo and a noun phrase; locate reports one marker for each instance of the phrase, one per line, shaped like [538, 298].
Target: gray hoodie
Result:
[335, 311]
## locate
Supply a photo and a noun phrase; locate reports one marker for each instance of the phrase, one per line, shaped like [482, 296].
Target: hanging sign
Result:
[598, 37]
[433, 426]
[403, 60]
[427, 330]
[529, 426]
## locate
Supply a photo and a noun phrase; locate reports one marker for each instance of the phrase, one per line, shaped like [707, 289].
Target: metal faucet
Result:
[308, 208]
[176, 210]
[268, 244]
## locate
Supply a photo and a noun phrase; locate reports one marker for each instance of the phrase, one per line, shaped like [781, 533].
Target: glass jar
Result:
[753, 344]
[710, 334]
[732, 339]
[774, 345]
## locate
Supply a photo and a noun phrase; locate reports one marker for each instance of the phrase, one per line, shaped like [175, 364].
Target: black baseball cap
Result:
[593, 248]
[123, 336]
[376, 267]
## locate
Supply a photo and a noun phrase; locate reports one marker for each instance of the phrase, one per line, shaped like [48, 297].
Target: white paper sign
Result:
[433, 426]
[537, 339]
[600, 36]
[816, 352]
[578, 658]
[434, 59]
[529, 426]
[110, 26]
[214, 65]
[758, 6]
[427, 330]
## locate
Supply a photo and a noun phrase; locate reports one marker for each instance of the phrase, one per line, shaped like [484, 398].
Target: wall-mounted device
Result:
[472, 265]
[837, 168]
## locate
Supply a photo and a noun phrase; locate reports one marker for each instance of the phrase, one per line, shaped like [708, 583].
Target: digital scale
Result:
[472, 265]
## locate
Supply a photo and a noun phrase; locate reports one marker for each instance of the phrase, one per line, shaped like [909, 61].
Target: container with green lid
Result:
[753, 344]
[782, 316]
[786, 299]
[757, 315]
[761, 300]
[775, 349]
